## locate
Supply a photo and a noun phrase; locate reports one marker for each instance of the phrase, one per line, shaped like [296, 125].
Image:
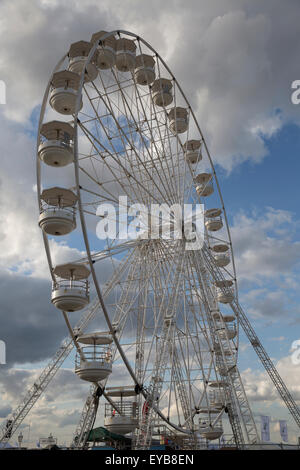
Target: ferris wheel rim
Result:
[78, 188]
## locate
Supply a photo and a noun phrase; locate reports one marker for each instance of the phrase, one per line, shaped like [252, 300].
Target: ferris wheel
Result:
[120, 153]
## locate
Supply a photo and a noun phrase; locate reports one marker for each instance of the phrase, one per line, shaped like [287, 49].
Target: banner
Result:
[283, 431]
[265, 428]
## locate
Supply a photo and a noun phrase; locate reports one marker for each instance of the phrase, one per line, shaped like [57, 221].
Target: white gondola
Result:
[64, 91]
[213, 225]
[162, 92]
[224, 283]
[94, 361]
[213, 221]
[217, 315]
[124, 420]
[204, 185]
[78, 53]
[56, 148]
[222, 259]
[208, 411]
[70, 290]
[57, 215]
[193, 153]
[178, 120]
[106, 51]
[125, 56]
[212, 213]
[224, 296]
[207, 429]
[144, 72]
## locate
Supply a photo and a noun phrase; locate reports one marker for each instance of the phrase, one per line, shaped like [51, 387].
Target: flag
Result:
[283, 431]
[265, 428]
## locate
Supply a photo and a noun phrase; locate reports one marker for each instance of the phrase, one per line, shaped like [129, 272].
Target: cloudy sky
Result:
[236, 61]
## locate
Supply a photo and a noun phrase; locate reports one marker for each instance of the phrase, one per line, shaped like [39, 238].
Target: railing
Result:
[127, 408]
[99, 354]
[227, 350]
[230, 364]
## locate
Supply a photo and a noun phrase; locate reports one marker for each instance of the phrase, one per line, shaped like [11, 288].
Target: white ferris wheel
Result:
[116, 126]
